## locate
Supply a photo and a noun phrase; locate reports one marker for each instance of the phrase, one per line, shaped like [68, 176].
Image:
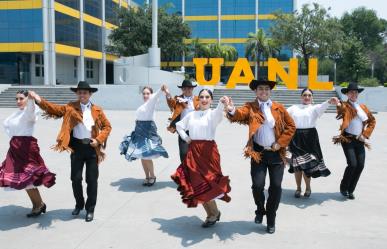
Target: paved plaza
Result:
[129, 215]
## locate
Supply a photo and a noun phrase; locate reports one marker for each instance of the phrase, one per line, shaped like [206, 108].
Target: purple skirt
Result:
[23, 165]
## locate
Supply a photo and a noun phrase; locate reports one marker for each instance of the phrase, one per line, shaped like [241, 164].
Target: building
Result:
[228, 21]
[56, 41]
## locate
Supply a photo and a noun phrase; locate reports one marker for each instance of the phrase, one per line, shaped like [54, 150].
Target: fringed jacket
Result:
[177, 108]
[347, 112]
[72, 115]
[250, 114]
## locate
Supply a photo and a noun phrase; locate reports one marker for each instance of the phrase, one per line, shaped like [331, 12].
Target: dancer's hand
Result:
[275, 146]
[188, 140]
[165, 90]
[224, 100]
[94, 143]
[361, 138]
[334, 101]
[35, 96]
[230, 106]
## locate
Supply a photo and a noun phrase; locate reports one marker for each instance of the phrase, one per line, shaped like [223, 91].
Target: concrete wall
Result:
[4, 87]
[374, 97]
[65, 70]
[95, 79]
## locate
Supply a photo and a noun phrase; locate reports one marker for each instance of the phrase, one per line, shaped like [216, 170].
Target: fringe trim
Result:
[249, 152]
[46, 115]
[340, 139]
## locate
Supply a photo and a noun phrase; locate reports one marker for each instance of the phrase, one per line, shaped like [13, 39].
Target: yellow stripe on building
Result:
[188, 41]
[69, 50]
[233, 40]
[92, 54]
[92, 20]
[111, 57]
[21, 47]
[116, 1]
[66, 10]
[124, 4]
[21, 4]
[229, 17]
[110, 26]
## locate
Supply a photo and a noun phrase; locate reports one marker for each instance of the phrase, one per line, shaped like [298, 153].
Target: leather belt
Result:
[83, 141]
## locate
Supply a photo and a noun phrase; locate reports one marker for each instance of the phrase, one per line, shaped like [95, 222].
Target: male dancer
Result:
[84, 133]
[270, 131]
[180, 106]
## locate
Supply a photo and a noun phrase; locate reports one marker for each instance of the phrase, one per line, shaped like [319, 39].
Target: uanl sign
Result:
[242, 73]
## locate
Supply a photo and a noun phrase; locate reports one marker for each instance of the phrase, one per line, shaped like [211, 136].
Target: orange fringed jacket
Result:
[176, 108]
[250, 114]
[347, 112]
[72, 115]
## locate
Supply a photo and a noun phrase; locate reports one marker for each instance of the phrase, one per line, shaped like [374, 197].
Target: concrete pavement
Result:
[131, 216]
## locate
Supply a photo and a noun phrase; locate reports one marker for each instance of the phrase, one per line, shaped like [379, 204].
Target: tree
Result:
[310, 32]
[134, 33]
[259, 47]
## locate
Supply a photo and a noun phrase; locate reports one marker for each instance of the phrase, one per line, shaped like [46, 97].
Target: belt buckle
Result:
[86, 140]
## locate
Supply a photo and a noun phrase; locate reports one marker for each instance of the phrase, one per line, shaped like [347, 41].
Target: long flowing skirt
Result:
[199, 177]
[23, 166]
[143, 143]
[305, 154]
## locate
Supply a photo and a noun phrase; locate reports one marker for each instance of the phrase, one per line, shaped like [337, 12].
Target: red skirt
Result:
[24, 166]
[199, 177]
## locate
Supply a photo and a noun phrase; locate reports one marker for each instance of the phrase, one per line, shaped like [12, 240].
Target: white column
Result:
[46, 54]
[52, 53]
[102, 63]
[154, 51]
[256, 28]
[219, 20]
[81, 58]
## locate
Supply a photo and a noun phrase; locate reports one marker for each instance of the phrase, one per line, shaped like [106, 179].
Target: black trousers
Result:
[84, 154]
[355, 154]
[272, 162]
[183, 148]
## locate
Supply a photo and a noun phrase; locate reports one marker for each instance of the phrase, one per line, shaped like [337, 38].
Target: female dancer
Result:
[144, 143]
[199, 177]
[23, 167]
[305, 156]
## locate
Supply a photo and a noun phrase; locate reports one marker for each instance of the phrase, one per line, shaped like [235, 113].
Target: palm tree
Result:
[258, 47]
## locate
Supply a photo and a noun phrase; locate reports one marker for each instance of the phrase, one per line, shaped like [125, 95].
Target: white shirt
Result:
[190, 106]
[265, 135]
[22, 122]
[305, 116]
[83, 130]
[356, 126]
[201, 125]
[146, 112]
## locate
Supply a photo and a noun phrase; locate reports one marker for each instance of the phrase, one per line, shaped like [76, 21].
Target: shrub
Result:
[369, 82]
[385, 84]
[344, 84]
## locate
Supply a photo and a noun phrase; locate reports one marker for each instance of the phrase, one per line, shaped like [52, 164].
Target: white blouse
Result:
[22, 122]
[146, 112]
[305, 116]
[201, 125]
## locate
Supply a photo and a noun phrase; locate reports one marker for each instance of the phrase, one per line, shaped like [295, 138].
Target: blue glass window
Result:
[24, 25]
[111, 9]
[67, 30]
[238, 7]
[70, 3]
[204, 29]
[174, 6]
[201, 7]
[93, 8]
[237, 28]
[93, 37]
[271, 6]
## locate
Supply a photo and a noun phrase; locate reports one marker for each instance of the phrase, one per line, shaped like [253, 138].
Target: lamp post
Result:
[154, 50]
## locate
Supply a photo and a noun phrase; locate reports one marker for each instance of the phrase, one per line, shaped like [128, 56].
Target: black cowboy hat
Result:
[255, 83]
[351, 86]
[83, 85]
[186, 83]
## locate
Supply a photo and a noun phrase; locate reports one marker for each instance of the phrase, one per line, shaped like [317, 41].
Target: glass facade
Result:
[201, 7]
[111, 12]
[21, 26]
[175, 6]
[238, 7]
[15, 68]
[93, 37]
[204, 29]
[271, 6]
[93, 8]
[67, 30]
[237, 28]
[71, 3]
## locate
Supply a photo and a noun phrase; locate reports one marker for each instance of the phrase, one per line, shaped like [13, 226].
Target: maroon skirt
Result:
[199, 177]
[24, 166]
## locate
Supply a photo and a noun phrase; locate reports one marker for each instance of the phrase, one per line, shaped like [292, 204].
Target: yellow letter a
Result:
[241, 65]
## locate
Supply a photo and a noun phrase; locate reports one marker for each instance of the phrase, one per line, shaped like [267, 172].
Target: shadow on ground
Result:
[13, 217]
[317, 198]
[135, 185]
[189, 230]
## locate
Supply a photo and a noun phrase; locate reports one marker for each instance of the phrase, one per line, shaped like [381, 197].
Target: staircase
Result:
[57, 94]
[284, 96]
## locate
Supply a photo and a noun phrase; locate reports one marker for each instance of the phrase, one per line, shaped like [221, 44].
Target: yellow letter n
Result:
[200, 64]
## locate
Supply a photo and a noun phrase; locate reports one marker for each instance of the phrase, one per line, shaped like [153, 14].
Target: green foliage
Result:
[369, 82]
[215, 50]
[385, 84]
[310, 32]
[134, 34]
[344, 84]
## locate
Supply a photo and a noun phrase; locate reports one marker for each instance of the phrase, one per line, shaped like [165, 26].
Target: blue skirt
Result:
[143, 143]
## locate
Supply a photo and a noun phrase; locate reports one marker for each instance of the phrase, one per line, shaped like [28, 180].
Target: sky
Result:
[339, 7]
